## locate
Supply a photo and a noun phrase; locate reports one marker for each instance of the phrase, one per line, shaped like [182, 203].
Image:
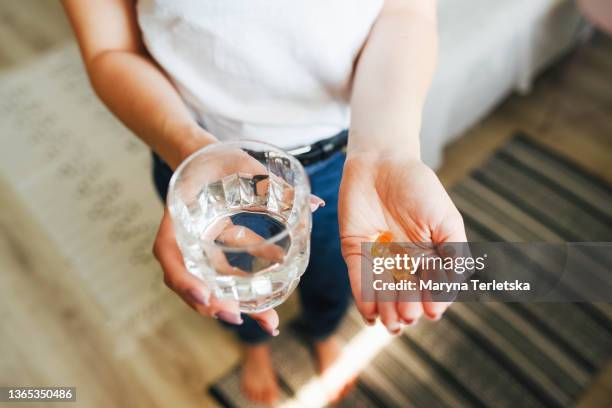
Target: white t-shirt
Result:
[273, 70]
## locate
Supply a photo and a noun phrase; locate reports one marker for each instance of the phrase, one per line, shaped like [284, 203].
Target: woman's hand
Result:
[388, 192]
[192, 290]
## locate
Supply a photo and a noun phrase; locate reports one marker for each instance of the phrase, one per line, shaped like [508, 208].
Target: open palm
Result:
[401, 195]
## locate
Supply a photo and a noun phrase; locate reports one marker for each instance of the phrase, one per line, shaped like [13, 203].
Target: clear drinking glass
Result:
[242, 219]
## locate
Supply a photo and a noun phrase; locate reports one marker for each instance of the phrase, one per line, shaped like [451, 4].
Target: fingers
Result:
[176, 277]
[452, 232]
[191, 289]
[238, 236]
[435, 310]
[389, 316]
[434, 306]
[386, 305]
[367, 309]
[316, 202]
[288, 193]
[451, 229]
[409, 305]
[268, 321]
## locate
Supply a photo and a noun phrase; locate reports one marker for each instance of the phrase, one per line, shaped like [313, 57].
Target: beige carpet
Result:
[85, 180]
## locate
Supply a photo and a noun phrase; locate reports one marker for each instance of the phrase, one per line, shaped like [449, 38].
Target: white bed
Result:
[488, 49]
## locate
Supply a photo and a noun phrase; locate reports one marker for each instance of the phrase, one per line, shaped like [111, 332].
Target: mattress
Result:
[489, 49]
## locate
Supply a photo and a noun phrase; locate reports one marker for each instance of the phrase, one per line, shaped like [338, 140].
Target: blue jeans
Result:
[324, 287]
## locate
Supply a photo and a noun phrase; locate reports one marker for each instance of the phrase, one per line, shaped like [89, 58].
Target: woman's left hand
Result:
[386, 192]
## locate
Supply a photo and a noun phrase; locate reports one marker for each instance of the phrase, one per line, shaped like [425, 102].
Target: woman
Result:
[184, 74]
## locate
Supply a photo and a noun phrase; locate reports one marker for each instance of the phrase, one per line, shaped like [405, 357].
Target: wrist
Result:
[383, 154]
[376, 152]
[383, 144]
[188, 141]
[194, 140]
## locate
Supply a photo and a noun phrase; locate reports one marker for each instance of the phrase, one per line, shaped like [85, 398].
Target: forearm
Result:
[392, 78]
[128, 81]
[139, 94]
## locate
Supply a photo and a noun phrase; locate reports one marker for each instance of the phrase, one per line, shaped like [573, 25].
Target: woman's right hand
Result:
[192, 290]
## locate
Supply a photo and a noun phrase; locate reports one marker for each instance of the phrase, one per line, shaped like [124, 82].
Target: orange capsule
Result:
[379, 249]
[384, 247]
[385, 237]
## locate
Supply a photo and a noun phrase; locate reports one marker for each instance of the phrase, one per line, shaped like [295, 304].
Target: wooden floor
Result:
[48, 339]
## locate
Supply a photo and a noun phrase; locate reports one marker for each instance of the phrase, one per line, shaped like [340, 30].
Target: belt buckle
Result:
[300, 150]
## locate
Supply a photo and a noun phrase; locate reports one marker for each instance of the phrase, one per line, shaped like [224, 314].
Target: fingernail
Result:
[316, 202]
[434, 317]
[272, 331]
[315, 206]
[369, 322]
[233, 318]
[197, 297]
[407, 322]
[394, 328]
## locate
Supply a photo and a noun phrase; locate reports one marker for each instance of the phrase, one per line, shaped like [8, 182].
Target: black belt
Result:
[320, 150]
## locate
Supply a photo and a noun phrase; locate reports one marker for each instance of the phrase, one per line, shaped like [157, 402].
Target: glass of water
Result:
[241, 213]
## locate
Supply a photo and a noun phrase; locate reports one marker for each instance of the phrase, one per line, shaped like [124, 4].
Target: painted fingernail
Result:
[315, 206]
[197, 297]
[316, 202]
[233, 318]
[434, 316]
[407, 322]
[369, 322]
[394, 328]
[272, 331]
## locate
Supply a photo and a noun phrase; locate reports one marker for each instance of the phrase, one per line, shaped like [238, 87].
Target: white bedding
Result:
[488, 49]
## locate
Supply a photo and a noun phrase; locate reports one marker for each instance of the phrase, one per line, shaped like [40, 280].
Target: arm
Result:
[385, 186]
[140, 95]
[129, 82]
[392, 77]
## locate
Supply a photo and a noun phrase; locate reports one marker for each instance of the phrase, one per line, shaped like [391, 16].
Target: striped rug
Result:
[494, 354]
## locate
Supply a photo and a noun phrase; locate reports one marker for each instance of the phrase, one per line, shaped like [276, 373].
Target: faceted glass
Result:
[241, 213]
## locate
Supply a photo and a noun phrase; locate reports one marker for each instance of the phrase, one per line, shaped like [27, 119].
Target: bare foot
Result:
[257, 377]
[328, 351]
